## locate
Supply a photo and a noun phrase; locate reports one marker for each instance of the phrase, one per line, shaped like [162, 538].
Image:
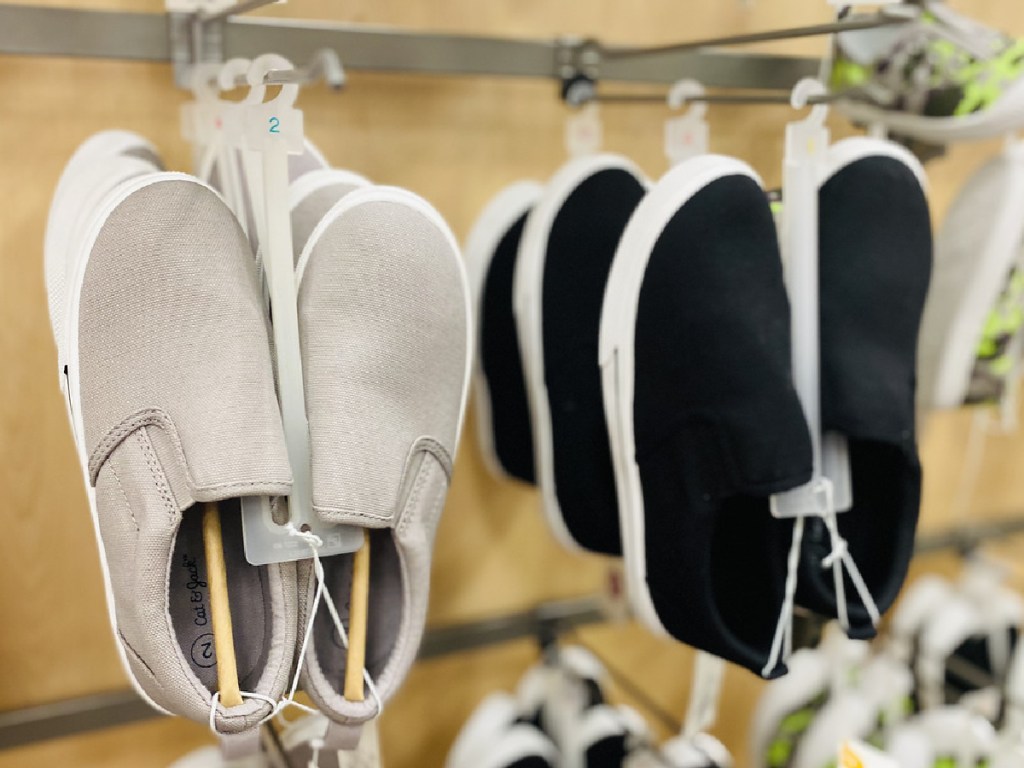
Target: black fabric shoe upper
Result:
[875, 260]
[609, 752]
[502, 363]
[718, 424]
[580, 248]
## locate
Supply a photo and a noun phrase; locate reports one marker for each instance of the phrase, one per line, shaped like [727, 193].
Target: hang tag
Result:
[705, 692]
[686, 137]
[267, 125]
[583, 132]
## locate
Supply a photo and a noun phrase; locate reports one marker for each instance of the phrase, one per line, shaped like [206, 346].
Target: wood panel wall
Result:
[456, 141]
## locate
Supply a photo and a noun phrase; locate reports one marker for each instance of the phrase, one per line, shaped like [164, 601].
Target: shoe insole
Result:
[384, 610]
[248, 593]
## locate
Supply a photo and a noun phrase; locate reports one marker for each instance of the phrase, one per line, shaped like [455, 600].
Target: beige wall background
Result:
[457, 141]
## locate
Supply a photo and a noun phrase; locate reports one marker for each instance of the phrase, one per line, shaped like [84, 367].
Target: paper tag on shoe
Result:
[857, 754]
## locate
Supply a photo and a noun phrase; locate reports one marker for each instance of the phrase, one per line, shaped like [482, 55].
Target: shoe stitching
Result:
[159, 480]
[124, 496]
[139, 658]
[438, 451]
[422, 445]
[284, 653]
[159, 418]
[411, 638]
[119, 433]
[346, 512]
[412, 500]
[442, 497]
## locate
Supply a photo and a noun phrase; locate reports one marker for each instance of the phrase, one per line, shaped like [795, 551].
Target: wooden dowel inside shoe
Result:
[220, 608]
[358, 611]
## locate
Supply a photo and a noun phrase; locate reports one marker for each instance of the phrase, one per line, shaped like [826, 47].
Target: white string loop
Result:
[315, 543]
[245, 695]
[839, 558]
[782, 642]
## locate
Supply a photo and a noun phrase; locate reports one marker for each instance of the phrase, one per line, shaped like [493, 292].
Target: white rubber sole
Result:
[596, 724]
[518, 743]
[71, 383]
[1005, 116]
[491, 719]
[617, 352]
[396, 196]
[527, 306]
[849, 151]
[497, 218]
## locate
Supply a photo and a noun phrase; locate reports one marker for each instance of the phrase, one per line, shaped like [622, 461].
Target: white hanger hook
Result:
[203, 82]
[257, 74]
[229, 73]
[682, 92]
[803, 92]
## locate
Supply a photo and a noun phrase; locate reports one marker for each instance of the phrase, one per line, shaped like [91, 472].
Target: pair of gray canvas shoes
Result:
[165, 359]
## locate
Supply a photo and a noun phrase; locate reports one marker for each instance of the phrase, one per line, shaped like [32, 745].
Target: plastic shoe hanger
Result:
[584, 133]
[686, 136]
[829, 491]
[200, 125]
[265, 134]
[694, 747]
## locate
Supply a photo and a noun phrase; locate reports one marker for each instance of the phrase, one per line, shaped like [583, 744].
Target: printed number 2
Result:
[275, 125]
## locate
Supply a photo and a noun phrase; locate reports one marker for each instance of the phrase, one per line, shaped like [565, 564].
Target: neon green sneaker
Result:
[973, 324]
[939, 77]
[998, 353]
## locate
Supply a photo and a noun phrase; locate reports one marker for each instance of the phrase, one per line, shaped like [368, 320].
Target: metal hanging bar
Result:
[234, 10]
[46, 31]
[324, 66]
[739, 99]
[883, 18]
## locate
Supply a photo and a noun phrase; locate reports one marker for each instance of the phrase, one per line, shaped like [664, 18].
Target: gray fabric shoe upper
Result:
[170, 376]
[383, 313]
[178, 406]
[311, 208]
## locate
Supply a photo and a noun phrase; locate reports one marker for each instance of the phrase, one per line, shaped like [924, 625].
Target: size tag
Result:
[267, 125]
[267, 542]
[583, 132]
[686, 137]
[811, 500]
